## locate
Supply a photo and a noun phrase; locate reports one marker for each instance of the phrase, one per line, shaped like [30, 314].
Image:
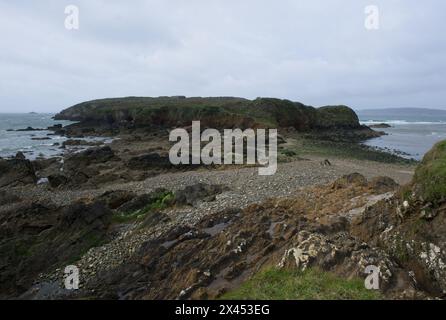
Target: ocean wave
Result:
[400, 122]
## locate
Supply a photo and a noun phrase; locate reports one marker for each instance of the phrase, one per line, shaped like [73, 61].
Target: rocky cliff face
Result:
[412, 227]
[212, 112]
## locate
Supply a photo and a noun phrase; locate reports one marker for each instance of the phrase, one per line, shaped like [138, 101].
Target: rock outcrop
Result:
[16, 172]
[225, 112]
[37, 237]
[412, 226]
[224, 249]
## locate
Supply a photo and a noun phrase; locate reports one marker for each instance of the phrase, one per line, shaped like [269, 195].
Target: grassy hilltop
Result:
[218, 112]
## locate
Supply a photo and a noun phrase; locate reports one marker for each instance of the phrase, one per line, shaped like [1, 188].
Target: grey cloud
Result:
[317, 52]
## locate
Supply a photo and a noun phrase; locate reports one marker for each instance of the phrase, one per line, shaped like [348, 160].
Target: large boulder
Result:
[16, 172]
[80, 168]
[90, 156]
[383, 184]
[191, 195]
[355, 178]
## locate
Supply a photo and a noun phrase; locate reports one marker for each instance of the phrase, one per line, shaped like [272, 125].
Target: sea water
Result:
[12, 141]
[410, 135]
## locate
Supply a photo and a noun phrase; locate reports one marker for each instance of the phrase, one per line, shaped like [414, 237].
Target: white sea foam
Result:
[400, 122]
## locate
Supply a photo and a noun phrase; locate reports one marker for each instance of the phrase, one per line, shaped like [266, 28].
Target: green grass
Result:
[289, 153]
[431, 174]
[312, 284]
[264, 112]
[160, 202]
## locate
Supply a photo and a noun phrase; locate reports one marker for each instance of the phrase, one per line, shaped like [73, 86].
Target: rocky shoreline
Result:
[138, 227]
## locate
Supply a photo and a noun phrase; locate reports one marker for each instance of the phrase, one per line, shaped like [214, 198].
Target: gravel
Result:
[246, 187]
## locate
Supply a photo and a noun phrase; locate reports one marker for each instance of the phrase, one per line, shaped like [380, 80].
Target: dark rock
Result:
[55, 127]
[8, 198]
[16, 172]
[197, 192]
[80, 167]
[43, 138]
[350, 179]
[116, 198]
[154, 218]
[47, 166]
[30, 129]
[141, 201]
[104, 178]
[149, 161]
[57, 180]
[380, 126]
[20, 156]
[77, 142]
[90, 156]
[383, 184]
[37, 238]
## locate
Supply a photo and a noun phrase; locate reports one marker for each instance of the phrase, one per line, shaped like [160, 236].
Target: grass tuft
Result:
[312, 284]
[160, 202]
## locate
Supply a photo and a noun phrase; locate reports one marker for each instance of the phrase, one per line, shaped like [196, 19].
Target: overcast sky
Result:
[314, 51]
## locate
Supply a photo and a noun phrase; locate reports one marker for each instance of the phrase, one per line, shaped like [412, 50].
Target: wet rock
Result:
[55, 127]
[41, 138]
[30, 129]
[77, 142]
[20, 156]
